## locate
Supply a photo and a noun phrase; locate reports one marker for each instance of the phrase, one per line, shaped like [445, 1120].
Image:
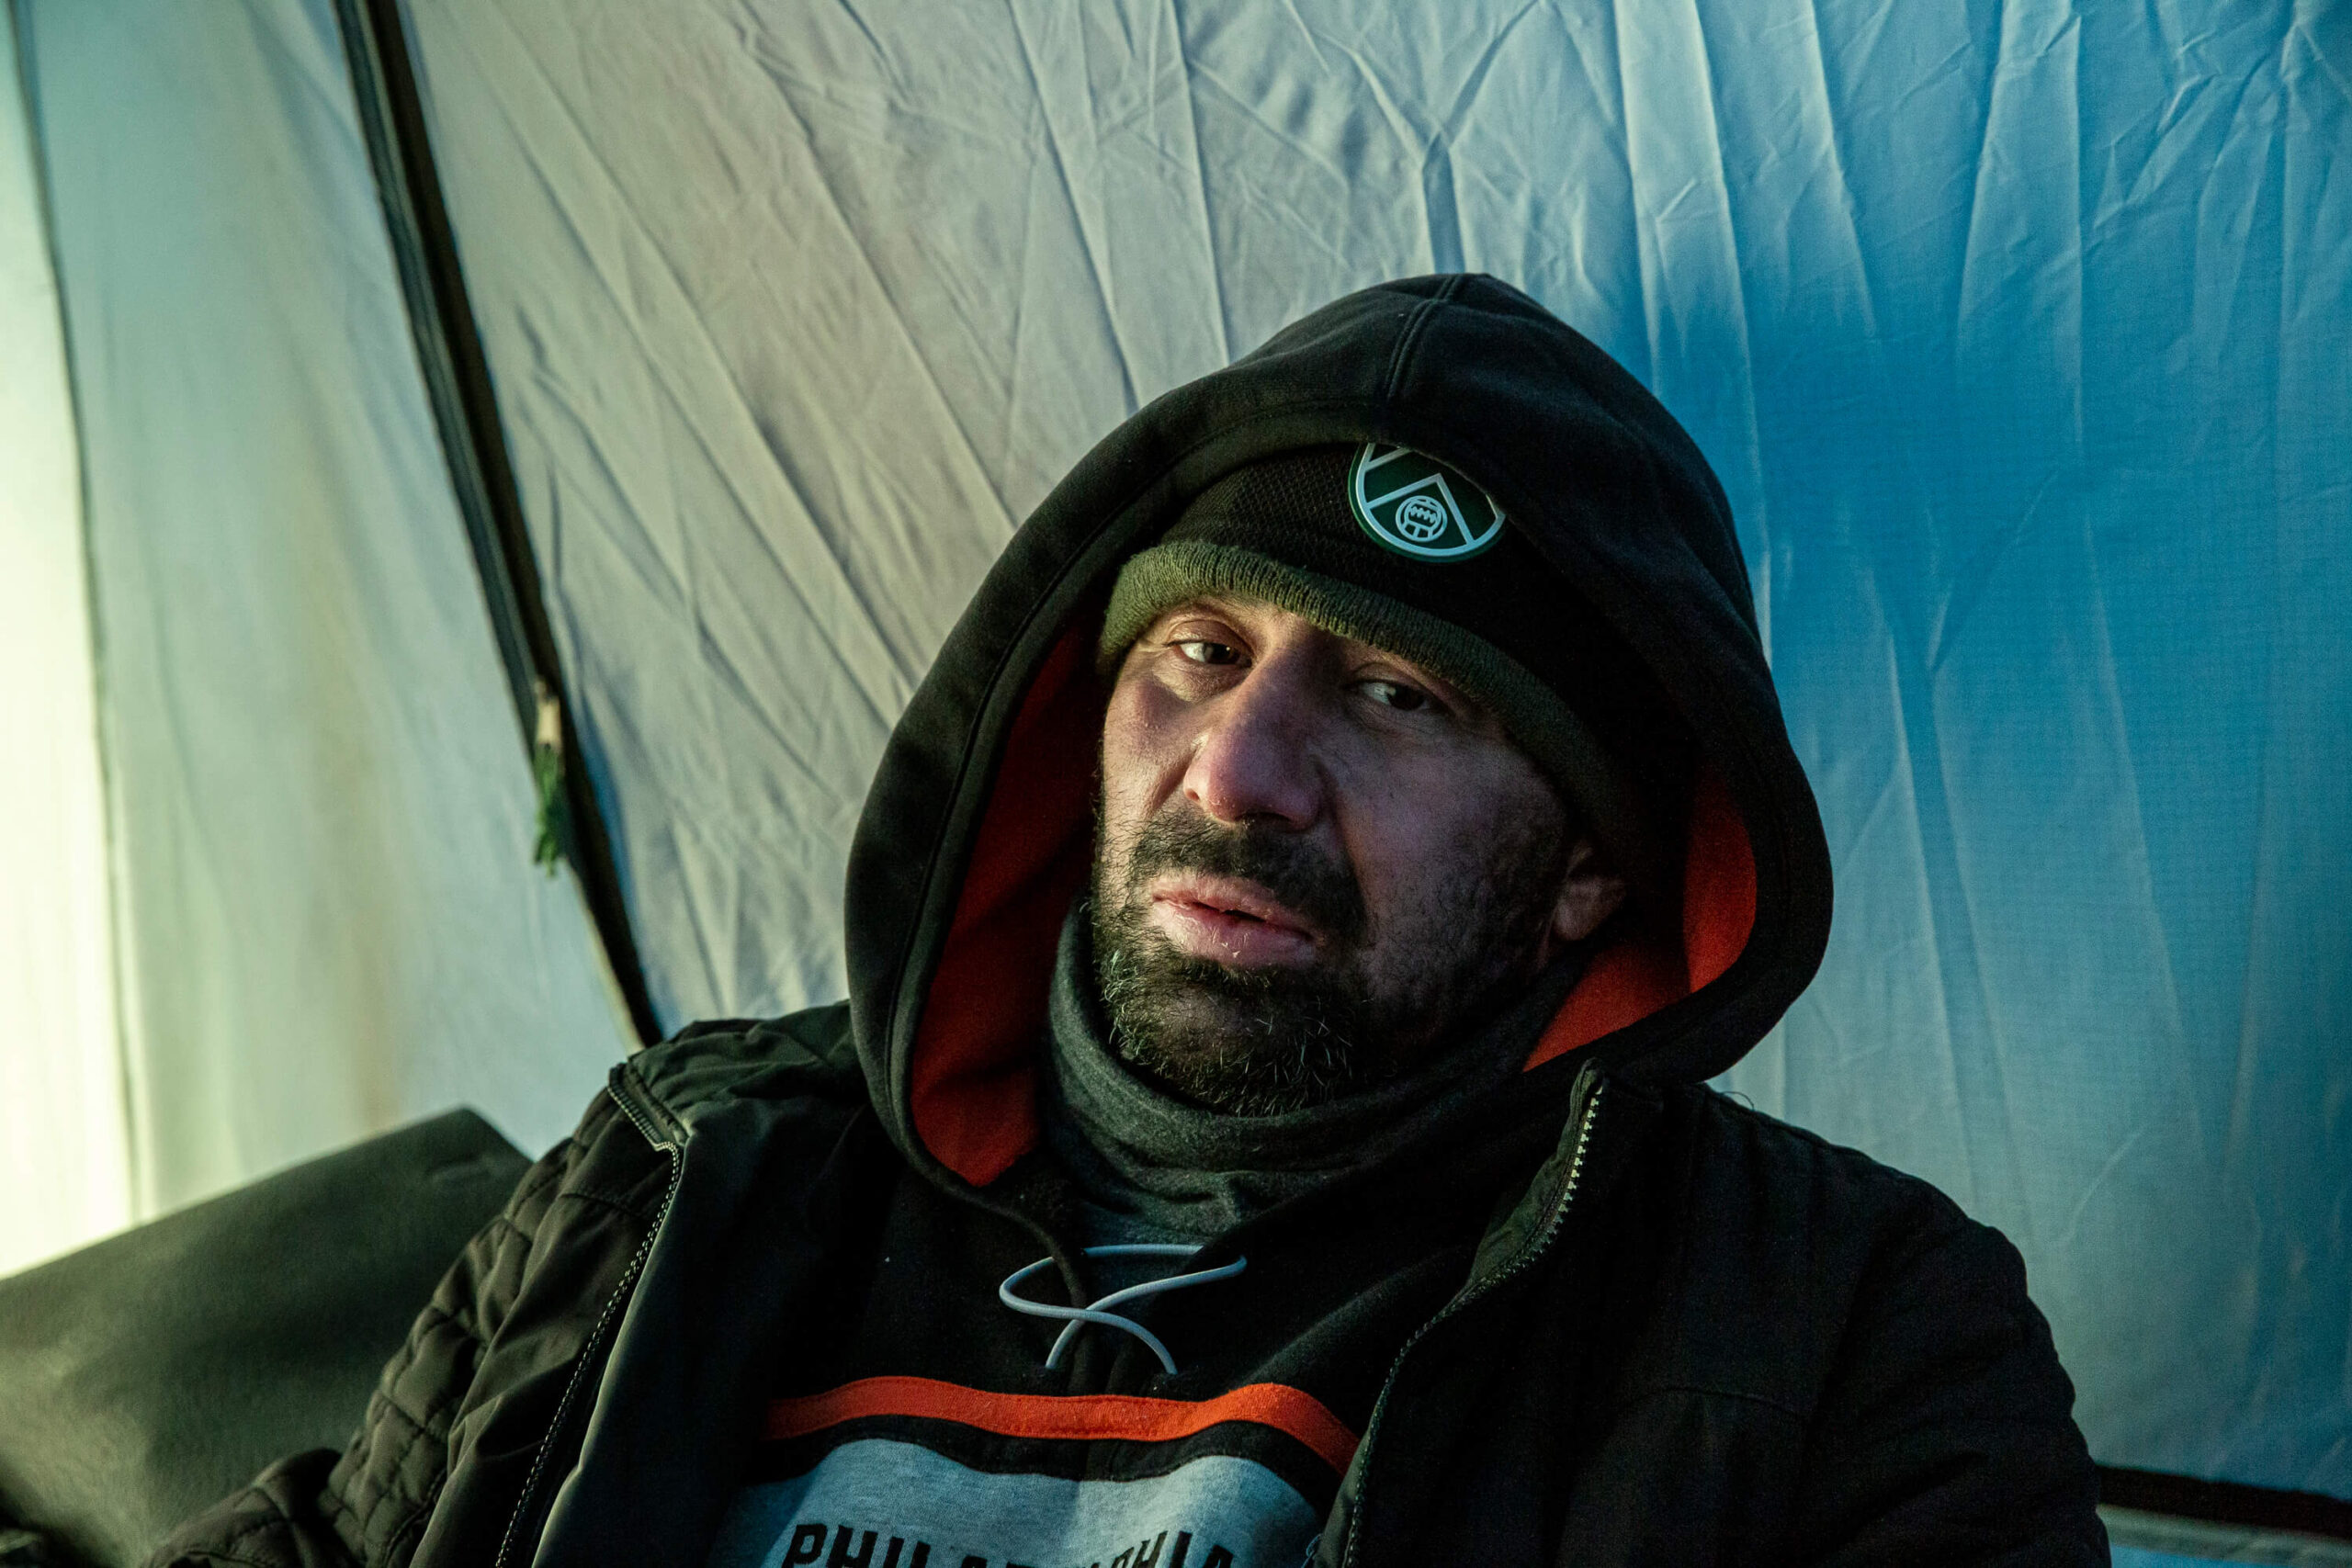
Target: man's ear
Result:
[1589, 895]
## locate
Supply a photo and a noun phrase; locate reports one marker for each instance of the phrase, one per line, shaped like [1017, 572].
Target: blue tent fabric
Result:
[2015, 329]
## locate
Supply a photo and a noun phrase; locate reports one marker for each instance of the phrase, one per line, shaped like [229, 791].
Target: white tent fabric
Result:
[64, 1164]
[2014, 329]
[321, 811]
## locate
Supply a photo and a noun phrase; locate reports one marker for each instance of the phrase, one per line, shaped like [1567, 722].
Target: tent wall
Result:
[2014, 328]
[64, 1155]
[322, 813]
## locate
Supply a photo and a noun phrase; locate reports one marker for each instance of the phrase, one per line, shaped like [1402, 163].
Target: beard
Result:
[1264, 1040]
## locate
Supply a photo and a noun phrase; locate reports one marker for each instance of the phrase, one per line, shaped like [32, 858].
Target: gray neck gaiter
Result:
[1150, 1166]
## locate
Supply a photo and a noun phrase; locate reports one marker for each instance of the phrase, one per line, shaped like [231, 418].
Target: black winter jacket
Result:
[1604, 1316]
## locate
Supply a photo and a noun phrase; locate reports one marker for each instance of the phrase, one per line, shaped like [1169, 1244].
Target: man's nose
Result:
[1256, 761]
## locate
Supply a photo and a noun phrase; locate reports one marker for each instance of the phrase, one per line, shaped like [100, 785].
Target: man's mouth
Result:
[1229, 921]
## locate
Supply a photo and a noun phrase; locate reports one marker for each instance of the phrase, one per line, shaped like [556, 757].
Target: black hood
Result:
[978, 830]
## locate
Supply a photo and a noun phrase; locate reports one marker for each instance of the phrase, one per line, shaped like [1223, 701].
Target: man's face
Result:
[1315, 859]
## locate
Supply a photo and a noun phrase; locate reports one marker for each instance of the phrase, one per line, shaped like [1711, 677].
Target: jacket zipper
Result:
[1518, 1266]
[648, 1118]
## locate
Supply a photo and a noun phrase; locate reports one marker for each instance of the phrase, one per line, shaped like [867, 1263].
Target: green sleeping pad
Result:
[148, 1376]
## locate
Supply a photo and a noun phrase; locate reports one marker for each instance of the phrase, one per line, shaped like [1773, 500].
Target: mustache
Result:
[1322, 888]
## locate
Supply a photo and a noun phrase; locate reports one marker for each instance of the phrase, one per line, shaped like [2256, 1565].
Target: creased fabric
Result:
[321, 809]
[2015, 330]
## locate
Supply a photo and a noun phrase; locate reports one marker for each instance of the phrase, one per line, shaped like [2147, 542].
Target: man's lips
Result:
[1229, 921]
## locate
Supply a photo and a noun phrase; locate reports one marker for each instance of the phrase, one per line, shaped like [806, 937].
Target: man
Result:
[1288, 933]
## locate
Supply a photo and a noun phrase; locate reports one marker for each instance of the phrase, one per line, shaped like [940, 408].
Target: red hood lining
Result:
[972, 1091]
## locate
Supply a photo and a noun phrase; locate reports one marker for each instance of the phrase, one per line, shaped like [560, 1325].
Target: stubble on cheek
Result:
[1466, 934]
[1460, 936]
[1247, 1041]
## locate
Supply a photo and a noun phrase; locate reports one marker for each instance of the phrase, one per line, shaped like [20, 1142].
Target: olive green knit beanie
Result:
[1445, 584]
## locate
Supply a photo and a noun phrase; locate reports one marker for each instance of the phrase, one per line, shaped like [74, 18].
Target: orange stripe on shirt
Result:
[1125, 1416]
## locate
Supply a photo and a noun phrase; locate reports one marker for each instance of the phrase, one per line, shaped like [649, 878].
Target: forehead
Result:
[1265, 627]
[1255, 617]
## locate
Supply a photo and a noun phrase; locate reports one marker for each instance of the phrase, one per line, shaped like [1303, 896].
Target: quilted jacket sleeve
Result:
[369, 1504]
[1948, 1435]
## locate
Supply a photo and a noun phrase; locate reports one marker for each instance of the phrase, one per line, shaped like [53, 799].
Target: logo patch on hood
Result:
[1418, 507]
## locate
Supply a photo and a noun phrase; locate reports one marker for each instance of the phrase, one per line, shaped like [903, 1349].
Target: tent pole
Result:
[2226, 1503]
[465, 412]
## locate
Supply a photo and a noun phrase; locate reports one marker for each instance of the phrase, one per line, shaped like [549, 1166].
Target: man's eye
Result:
[1397, 694]
[1202, 652]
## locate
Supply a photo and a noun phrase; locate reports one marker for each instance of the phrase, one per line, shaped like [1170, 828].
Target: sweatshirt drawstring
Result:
[1098, 1311]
